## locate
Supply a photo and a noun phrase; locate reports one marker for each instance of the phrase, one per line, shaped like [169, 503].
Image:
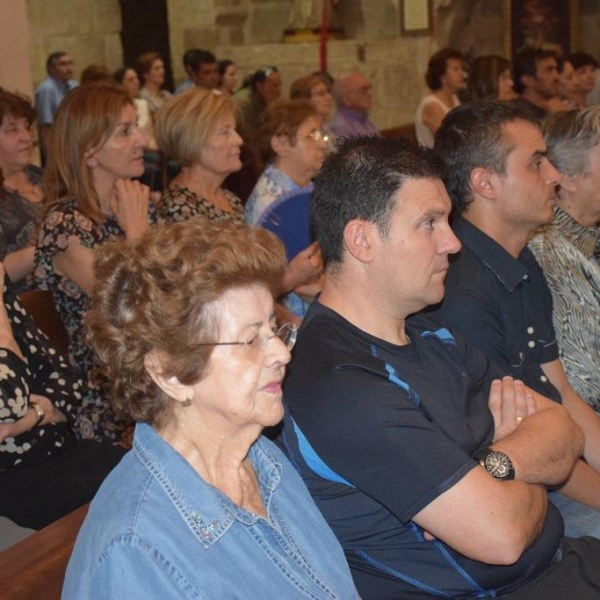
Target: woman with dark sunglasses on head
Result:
[203, 506]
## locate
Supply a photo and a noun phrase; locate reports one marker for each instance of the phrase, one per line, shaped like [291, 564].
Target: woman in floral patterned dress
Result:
[95, 150]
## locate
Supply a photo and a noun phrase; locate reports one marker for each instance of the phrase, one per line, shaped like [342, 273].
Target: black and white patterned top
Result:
[565, 251]
[43, 371]
[180, 204]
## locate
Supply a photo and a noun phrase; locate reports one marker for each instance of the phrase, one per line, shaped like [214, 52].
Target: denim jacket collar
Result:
[210, 519]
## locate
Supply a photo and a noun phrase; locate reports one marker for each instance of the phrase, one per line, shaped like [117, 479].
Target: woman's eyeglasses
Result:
[287, 333]
[318, 135]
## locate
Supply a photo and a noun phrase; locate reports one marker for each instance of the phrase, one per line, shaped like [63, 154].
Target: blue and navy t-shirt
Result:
[378, 431]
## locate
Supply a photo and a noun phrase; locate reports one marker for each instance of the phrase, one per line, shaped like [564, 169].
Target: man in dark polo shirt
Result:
[503, 188]
[428, 465]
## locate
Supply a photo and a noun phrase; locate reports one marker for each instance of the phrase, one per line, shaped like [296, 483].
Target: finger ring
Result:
[519, 419]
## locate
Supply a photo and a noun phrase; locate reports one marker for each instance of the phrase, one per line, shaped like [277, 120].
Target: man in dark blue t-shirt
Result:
[429, 465]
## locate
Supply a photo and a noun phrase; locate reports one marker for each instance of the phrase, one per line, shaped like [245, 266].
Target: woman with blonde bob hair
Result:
[197, 129]
[183, 324]
[95, 148]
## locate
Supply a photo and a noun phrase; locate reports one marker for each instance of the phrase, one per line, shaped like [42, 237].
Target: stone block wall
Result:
[88, 29]
[250, 32]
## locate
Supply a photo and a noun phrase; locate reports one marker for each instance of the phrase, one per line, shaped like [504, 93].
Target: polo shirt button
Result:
[530, 330]
[531, 344]
[525, 277]
[543, 378]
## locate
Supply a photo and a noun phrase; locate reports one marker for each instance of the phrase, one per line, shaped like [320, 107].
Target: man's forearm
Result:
[544, 447]
[583, 485]
[585, 416]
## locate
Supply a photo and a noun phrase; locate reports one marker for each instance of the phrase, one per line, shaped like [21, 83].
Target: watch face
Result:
[499, 465]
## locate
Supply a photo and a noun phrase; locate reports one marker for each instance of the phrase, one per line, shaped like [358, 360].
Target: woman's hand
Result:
[308, 291]
[305, 267]
[51, 415]
[129, 203]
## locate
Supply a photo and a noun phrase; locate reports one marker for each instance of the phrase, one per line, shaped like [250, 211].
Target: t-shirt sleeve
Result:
[57, 229]
[373, 434]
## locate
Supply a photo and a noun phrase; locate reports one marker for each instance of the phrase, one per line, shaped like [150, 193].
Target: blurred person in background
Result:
[20, 189]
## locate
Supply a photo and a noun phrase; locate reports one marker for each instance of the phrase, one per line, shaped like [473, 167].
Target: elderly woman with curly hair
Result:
[203, 506]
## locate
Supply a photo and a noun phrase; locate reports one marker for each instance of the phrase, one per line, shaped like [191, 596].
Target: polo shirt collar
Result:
[510, 271]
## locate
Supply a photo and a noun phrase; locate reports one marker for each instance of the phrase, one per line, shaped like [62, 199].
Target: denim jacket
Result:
[158, 530]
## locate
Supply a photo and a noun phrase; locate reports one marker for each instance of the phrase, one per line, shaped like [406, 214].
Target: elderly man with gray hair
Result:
[353, 94]
[568, 248]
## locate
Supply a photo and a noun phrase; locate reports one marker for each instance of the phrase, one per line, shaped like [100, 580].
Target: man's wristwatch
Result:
[496, 463]
[39, 411]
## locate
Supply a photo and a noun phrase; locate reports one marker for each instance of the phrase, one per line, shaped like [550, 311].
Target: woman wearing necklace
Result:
[197, 129]
[445, 77]
[95, 150]
[20, 189]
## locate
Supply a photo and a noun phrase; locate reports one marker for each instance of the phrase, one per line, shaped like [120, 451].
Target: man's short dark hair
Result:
[582, 59]
[471, 136]
[53, 59]
[526, 63]
[438, 63]
[195, 58]
[360, 181]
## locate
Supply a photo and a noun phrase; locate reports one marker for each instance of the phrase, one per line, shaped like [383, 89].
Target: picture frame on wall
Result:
[415, 17]
[548, 24]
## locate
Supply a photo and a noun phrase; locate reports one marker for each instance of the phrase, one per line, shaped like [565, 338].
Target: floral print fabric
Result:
[63, 222]
[179, 204]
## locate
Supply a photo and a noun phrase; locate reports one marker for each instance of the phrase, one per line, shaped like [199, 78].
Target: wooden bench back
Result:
[403, 131]
[40, 305]
[35, 567]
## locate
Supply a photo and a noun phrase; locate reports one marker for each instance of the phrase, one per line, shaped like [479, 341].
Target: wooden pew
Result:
[403, 131]
[40, 305]
[35, 567]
